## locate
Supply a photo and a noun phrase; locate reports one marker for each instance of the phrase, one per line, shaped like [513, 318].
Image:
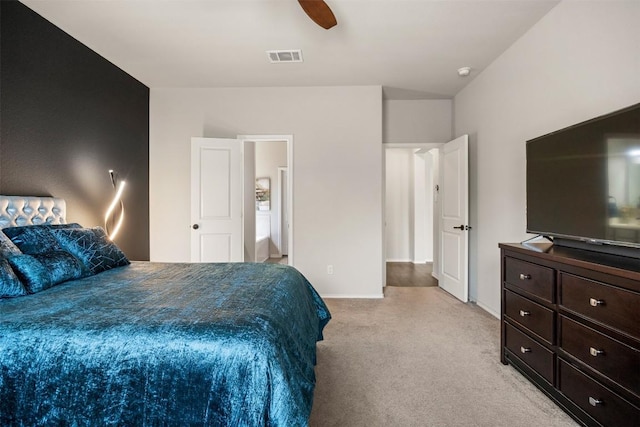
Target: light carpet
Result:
[419, 357]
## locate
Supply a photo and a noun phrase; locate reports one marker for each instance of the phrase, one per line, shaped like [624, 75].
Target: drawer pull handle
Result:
[595, 402]
[525, 350]
[525, 313]
[525, 276]
[595, 302]
[595, 352]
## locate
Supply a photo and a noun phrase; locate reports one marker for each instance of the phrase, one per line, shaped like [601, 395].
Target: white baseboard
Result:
[488, 310]
[399, 260]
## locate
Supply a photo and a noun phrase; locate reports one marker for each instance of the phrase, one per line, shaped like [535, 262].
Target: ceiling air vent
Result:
[277, 56]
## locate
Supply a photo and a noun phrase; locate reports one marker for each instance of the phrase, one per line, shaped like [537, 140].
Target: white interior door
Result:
[454, 229]
[216, 200]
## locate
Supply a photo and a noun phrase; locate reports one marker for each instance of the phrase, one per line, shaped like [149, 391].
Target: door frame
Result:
[289, 140]
[281, 202]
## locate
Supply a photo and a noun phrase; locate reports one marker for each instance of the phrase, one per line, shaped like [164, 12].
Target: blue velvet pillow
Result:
[7, 247]
[42, 271]
[92, 247]
[10, 285]
[36, 239]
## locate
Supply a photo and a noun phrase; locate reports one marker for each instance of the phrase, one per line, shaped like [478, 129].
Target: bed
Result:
[157, 344]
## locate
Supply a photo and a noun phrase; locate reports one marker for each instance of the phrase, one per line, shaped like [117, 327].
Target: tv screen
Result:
[583, 182]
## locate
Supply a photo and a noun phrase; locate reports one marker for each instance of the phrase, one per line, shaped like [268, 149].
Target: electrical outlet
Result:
[329, 269]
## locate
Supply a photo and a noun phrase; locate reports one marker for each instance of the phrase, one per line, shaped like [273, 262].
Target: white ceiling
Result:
[411, 47]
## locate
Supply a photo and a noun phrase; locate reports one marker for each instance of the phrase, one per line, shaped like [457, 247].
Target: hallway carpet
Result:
[419, 357]
[410, 274]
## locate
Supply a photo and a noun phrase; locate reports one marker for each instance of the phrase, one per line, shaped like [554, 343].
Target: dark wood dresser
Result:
[571, 324]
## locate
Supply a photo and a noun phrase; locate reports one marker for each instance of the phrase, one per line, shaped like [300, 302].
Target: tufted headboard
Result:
[21, 210]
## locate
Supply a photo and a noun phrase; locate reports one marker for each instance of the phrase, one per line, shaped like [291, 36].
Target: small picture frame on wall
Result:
[263, 194]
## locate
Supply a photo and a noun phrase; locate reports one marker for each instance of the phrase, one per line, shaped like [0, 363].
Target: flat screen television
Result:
[583, 183]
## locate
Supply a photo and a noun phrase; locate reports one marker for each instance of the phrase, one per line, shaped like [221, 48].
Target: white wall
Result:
[409, 205]
[420, 209]
[399, 203]
[428, 219]
[580, 61]
[249, 218]
[423, 120]
[434, 160]
[337, 182]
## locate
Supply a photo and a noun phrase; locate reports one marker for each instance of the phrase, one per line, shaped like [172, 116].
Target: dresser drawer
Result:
[602, 404]
[617, 308]
[612, 358]
[532, 278]
[533, 316]
[530, 352]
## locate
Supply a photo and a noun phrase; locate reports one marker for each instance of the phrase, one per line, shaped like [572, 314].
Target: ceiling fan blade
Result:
[319, 12]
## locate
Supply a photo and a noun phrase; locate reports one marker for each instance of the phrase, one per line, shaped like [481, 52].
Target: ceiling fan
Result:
[319, 12]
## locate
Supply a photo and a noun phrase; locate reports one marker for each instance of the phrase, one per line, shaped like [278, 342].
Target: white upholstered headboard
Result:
[21, 210]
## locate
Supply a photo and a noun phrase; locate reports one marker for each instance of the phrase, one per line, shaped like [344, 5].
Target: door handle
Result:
[195, 226]
[463, 227]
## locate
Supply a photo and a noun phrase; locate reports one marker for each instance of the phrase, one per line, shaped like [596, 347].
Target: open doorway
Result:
[411, 214]
[271, 233]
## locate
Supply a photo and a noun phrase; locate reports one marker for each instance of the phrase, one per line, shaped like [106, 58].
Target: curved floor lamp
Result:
[114, 217]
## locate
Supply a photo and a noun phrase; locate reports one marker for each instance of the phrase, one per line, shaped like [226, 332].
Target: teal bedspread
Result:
[154, 344]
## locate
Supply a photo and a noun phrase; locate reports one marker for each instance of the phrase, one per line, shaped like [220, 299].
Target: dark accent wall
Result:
[67, 116]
